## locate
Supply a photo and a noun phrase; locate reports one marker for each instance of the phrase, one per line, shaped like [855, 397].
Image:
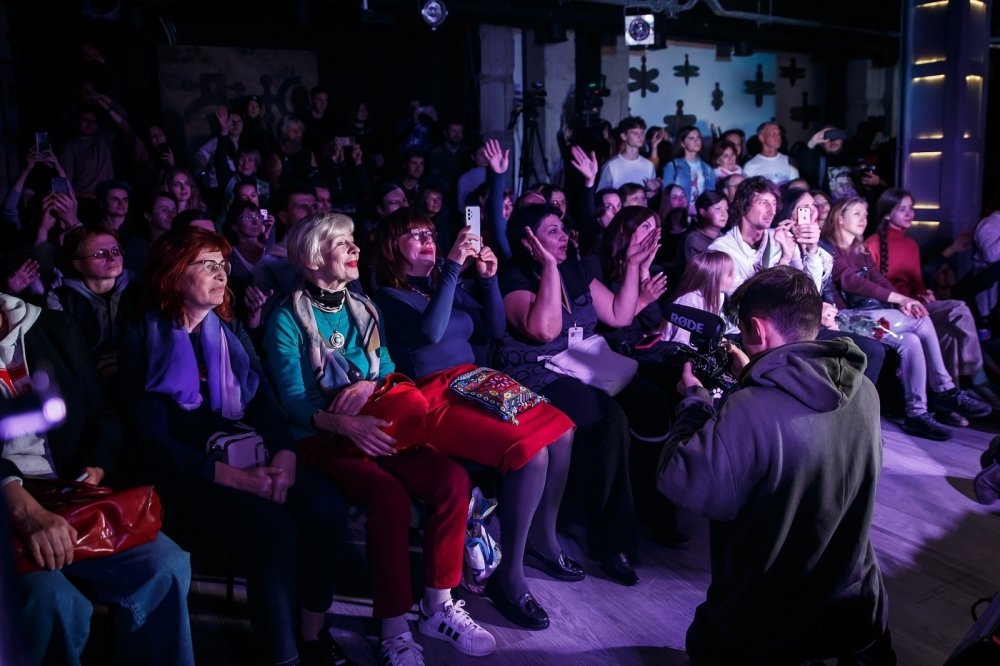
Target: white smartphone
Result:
[803, 215]
[473, 218]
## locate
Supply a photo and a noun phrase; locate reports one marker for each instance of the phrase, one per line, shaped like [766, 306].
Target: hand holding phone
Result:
[60, 185]
[42, 144]
[473, 217]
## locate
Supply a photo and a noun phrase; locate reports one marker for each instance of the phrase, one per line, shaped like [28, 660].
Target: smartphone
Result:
[803, 216]
[61, 185]
[834, 134]
[42, 144]
[473, 217]
[344, 141]
[263, 213]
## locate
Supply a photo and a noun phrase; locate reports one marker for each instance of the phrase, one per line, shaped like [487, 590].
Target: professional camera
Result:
[707, 352]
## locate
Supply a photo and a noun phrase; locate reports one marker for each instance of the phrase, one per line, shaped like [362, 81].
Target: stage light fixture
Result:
[639, 29]
[434, 13]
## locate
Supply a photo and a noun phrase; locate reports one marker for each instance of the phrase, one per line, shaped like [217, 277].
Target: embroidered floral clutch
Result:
[496, 393]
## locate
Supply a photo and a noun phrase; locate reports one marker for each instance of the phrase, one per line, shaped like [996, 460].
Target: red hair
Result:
[168, 258]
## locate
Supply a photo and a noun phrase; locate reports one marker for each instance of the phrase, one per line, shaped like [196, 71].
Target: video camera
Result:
[707, 353]
[530, 104]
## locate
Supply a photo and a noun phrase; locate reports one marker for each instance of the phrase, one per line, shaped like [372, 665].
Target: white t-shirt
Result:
[617, 171]
[776, 169]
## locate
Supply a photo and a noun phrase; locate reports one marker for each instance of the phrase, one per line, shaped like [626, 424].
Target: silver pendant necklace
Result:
[337, 339]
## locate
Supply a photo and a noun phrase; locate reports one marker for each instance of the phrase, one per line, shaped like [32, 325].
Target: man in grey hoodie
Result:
[786, 471]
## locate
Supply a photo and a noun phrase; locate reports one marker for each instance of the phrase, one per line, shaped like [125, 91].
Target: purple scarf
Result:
[173, 366]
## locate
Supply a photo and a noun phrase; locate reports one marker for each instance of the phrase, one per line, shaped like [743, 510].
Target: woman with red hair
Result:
[190, 372]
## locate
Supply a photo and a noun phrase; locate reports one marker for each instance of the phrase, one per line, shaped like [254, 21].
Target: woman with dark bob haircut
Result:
[189, 372]
[547, 291]
[432, 322]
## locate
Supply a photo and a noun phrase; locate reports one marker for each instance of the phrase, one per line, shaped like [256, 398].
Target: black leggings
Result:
[601, 449]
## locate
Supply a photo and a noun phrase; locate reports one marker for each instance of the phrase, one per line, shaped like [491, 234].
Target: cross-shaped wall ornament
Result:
[792, 72]
[687, 71]
[807, 113]
[644, 79]
[679, 119]
[758, 87]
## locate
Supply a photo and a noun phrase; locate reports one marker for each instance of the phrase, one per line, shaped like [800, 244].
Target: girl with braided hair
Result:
[898, 259]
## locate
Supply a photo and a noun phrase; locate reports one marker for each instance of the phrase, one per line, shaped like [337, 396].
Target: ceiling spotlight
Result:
[434, 13]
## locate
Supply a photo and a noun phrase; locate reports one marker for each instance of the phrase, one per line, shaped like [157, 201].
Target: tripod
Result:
[527, 174]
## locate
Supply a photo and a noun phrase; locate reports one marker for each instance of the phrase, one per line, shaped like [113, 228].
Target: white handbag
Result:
[594, 363]
[243, 450]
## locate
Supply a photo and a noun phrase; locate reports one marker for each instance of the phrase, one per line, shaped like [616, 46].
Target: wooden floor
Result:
[936, 545]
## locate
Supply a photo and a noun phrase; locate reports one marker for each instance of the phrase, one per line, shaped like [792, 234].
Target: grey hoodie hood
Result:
[821, 374]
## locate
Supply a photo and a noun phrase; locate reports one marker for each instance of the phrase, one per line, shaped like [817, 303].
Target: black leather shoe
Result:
[619, 569]
[524, 612]
[565, 568]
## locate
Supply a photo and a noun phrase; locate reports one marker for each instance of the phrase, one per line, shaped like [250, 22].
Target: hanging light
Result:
[434, 13]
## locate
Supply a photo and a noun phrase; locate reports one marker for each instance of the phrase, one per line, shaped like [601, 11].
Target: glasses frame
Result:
[107, 254]
[211, 265]
[422, 235]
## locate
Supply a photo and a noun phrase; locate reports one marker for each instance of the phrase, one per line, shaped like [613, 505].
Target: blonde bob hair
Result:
[305, 240]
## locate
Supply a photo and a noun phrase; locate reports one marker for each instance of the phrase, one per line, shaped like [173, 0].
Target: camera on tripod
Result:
[707, 352]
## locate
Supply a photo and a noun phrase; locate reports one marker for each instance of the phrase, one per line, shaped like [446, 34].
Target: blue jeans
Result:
[148, 587]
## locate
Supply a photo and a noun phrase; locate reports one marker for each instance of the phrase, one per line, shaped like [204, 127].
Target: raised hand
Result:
[222, 115]
[496, 157]
[643, 252]
[536, 249]
[25, 274]
[585, 164]
[652, 288]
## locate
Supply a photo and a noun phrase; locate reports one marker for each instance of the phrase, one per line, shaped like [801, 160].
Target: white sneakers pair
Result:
[452, 623]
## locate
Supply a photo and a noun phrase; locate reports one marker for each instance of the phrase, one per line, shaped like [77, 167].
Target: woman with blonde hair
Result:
[859, 281]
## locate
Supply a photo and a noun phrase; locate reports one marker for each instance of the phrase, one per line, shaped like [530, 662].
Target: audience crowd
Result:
[280, 276]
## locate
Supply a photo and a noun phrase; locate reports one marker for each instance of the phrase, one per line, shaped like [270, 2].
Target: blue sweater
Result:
[426, 336]
[287, 357]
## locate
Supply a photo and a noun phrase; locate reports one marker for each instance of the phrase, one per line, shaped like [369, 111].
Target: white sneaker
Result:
[401, 650]
[453, 624]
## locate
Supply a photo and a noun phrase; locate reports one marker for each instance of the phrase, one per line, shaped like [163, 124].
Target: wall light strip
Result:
[966, 135]
[926, 223]
[925, 155]
[974, 79]
[929, 60]
[936, 78]
[978, 4]
[932, 5]
[926, 207]
[930, 136]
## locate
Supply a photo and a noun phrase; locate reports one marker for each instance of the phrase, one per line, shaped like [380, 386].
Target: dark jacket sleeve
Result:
[149, 420]
[92, 433]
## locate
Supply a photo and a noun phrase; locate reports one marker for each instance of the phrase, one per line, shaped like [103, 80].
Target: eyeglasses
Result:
[210, 265]
[251, 218]
[422, 235]
[104, 253]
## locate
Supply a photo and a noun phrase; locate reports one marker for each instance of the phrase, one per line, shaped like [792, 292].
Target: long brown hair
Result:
[168, 258]
[704, 273]
[389, 271]
[618, 237]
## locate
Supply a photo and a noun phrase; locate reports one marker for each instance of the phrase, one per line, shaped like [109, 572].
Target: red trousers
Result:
[385, 487]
